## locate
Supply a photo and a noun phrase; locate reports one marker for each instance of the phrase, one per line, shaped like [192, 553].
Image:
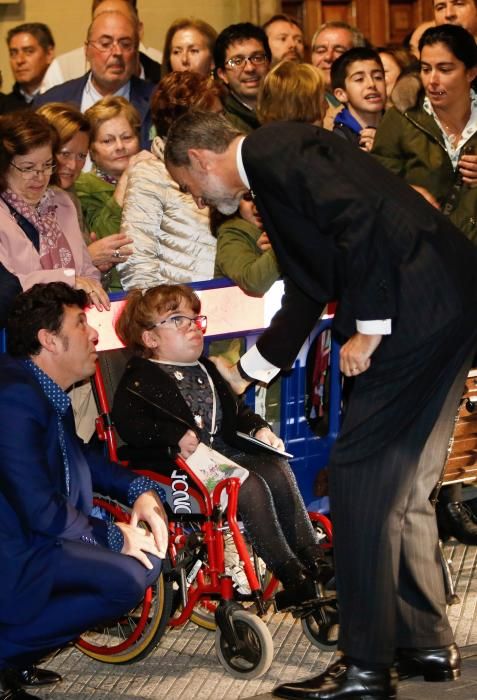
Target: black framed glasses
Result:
[182, 323]
[256, 59]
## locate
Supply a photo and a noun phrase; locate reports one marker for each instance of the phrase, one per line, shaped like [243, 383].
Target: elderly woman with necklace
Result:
[433, 144]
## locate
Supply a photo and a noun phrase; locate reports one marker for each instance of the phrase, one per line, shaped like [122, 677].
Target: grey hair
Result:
[357, 36]
[196, 129]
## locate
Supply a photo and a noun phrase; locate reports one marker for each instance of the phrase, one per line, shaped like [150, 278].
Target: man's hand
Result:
[231, 374]
[138, 542]
[148, 507]
[269, 438]
[355, 355]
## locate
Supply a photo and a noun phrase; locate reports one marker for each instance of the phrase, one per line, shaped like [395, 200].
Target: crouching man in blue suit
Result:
[63, 570]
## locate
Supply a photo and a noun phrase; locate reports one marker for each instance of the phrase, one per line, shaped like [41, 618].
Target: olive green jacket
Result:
[411, 145]
[102, 214]
[238, 257]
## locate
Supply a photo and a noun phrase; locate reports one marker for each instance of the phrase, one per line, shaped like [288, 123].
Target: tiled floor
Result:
[185, 665]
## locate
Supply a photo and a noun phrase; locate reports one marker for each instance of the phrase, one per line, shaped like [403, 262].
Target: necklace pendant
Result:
[179, 376]
[200, 381]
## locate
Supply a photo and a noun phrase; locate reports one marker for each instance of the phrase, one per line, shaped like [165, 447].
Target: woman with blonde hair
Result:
[292, 92]
[115, 126]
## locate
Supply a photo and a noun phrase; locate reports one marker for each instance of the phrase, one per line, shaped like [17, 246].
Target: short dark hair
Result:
[196, 129]
[180, 91]
[458, 40]
[42, 306]
[40, 31]
[20, 132]
[282, 17]
[238, 32]
[340, 67]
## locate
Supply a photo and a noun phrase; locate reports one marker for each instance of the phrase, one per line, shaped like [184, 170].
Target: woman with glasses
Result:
[171, 398]
[40, 238]
[171, 236]
[115, 127]
[73, 129]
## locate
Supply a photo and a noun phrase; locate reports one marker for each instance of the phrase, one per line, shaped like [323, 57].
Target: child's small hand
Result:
[269, 438]
[366, 138]
[188, 444]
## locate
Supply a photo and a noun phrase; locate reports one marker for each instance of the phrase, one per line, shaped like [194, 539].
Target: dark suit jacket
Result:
[72, 91]
[35, 513]
[150, 433]
[13, 102]
[345, 228]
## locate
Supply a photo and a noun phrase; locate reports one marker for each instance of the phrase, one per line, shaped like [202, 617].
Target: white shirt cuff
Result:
[257, 367]
[374, 327]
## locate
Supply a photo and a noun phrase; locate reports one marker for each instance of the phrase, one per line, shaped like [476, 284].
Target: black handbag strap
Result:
[28, 229]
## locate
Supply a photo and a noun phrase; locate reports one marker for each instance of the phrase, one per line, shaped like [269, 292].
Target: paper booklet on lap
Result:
[212, 467]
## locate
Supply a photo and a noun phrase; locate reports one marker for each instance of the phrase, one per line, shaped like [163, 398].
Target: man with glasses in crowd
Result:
[242, 59]
[111, 48]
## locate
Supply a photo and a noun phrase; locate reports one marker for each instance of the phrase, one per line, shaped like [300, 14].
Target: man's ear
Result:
[48, 340]
[223, 75]
[200, 158]
[341, 95]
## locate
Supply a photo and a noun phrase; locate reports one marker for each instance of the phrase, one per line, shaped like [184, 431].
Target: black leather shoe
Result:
[343, 681]
[438, 664]
[457, 520]
[34, 676]
[10, 688]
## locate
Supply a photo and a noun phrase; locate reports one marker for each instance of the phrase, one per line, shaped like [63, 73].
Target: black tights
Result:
[272, 510]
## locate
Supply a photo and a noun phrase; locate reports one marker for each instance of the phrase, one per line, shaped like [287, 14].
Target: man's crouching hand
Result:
[137, 540]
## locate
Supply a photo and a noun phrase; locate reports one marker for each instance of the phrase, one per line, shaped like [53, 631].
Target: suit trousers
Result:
[389, 576]
[92, 585]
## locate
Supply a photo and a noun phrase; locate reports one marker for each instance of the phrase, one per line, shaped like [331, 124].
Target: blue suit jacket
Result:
[35, 514]
[72, 91]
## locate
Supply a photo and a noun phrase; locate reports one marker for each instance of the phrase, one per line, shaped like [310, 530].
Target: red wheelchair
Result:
[194, 584]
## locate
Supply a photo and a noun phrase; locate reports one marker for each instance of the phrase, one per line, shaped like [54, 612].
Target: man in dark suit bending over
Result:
[63, 570]
[344, 228]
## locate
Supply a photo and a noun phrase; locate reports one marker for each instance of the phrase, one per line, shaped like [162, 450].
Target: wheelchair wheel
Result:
[255, 656]
[321, 627]
[137, 633]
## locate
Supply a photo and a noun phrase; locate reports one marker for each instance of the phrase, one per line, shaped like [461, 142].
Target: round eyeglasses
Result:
[182, 323]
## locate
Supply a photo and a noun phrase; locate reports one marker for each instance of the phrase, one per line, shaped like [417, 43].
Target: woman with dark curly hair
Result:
[171, 237]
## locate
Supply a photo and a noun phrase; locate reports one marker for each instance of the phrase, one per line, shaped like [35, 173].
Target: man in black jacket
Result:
[343, 228]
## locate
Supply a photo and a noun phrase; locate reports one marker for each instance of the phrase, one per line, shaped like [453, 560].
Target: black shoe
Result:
[10, 688]
[34, 676]
[455, 520]
[435, 665]
[343, 680]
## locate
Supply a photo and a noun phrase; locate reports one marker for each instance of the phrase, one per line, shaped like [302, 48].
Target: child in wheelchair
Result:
[171, 399]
